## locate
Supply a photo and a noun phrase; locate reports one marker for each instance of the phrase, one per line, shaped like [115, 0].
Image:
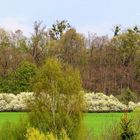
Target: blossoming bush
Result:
[94, 102]
[101, 102]
[11, 102]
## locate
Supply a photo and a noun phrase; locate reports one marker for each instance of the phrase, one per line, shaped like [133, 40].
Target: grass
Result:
[98, 122]
[11, 117]
[95, 122]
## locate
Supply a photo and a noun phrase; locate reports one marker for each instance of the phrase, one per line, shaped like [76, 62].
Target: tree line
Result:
[108, 65]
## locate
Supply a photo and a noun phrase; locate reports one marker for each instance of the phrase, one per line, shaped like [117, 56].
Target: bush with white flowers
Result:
[133, 105]
[101, 102]
[94, 102]
[11, 102]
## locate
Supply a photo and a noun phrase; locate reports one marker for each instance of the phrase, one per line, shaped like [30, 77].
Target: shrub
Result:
[35, 134]
[58, 102]
[18, 81]
[22, 77]
[127, 95]
[94, 102]
[6, 84]
[101, 102]
[127, 128]
[11, 102]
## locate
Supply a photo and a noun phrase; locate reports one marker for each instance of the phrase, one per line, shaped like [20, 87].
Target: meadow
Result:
[96, 123]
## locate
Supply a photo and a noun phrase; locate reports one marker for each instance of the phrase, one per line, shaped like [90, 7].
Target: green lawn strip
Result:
[12, 117]
[95, 122]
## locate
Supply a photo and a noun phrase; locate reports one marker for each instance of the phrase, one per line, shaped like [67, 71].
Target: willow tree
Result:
[58, 102]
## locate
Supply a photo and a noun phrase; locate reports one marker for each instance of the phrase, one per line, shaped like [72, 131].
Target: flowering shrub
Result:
[101, 102]
[93, 102]
[11, 102]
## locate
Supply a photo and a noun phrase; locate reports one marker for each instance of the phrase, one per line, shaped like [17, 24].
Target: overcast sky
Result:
[97, 16]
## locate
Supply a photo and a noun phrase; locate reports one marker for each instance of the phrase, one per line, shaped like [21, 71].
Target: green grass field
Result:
[95, 122]
[11, 117]
[98, 122]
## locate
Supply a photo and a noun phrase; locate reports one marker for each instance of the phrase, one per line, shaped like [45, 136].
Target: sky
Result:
[95, 16]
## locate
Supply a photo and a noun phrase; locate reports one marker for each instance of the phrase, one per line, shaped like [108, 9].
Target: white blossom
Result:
[93, 102]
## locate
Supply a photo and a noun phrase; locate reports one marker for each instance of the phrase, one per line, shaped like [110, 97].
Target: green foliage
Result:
[128, 132]
[127, 95]
[23, 75]
[20, 80]
[58, 29]
[72, 48]
[127, 44]
[92, 55]
[116, 30]
[58, 102]
[6, 85]
[35, 134]
[125, 130]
